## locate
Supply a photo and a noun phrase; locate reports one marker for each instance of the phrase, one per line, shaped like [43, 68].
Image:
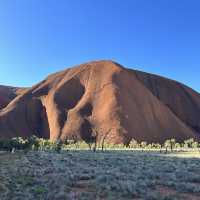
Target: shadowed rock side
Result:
[120, 103]
[182, 101]
[8, 93]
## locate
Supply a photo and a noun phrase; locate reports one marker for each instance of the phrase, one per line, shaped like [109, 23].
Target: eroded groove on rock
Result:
[36, 118]
[68, 95]
[86, 110]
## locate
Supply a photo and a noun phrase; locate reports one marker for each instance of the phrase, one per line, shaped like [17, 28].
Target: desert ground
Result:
[105, 175]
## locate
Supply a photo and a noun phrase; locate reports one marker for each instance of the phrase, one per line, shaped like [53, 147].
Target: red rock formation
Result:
[7, 94]
[106, 97]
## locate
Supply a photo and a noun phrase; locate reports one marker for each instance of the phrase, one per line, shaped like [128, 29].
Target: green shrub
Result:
[35, 143]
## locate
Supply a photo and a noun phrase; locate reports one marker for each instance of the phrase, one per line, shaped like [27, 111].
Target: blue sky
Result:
[38, 37]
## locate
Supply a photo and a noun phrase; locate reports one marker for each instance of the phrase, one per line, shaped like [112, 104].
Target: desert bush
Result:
[188, 143]
[170, 144]
[133, 144]
[143, 144]
[35, 143]
[58, 146]
[195, 145]
[177, 145]
[15, 143]
[5, 144]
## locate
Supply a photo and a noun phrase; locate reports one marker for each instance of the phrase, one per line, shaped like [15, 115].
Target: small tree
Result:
[177, 145]
[157, 146]
[58, 145]
[153, 146]
[33, 143]
[6, 145]
[188, 143]
[92, 140]
[167, 145]
[149, 146]
[172, 144]
[143, 145]
[103, 139]
[133, 143]
[195, 145]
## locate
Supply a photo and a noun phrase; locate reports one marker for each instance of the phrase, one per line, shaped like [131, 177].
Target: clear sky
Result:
[38, 37]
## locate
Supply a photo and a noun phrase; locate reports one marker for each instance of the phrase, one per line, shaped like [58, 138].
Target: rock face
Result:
[118, 103]
[7, 94]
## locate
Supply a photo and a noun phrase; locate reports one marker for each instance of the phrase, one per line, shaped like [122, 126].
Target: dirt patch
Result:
[167, 191]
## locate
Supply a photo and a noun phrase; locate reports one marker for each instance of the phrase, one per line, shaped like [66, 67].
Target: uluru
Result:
[103, 96]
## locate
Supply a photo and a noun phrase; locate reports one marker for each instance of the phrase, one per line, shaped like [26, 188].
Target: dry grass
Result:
[109, 175]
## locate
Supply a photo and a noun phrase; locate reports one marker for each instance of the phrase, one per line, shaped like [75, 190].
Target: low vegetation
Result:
[85, 175]
[35, 143]
[40, 169]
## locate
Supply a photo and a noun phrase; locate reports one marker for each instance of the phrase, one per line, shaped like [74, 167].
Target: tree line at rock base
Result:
[35, 143]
